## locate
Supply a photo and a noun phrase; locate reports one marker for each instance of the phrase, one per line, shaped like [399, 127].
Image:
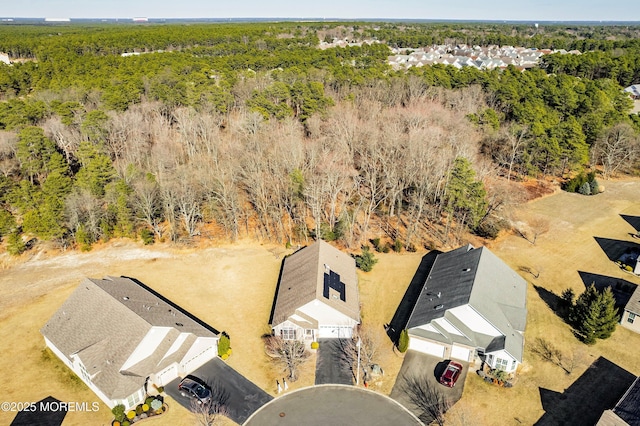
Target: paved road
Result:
[242, 397]
[331, 367]
[330, 405]
[427, 367]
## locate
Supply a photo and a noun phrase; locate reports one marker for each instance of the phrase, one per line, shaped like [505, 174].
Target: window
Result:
[132, 400]
[631, 317]
[513, 367]
[288, 333]
[502, 364]
[308, 334]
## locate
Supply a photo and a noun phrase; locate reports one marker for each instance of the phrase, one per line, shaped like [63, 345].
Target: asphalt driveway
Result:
[331, 365]
[425, 367]
[241, 397]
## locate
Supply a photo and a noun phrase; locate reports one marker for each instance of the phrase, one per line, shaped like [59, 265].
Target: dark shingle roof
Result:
[104, 321]
[303, 281]
[478, 278]
[628, 408]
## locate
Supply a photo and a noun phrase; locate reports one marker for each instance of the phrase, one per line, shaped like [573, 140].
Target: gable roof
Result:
[478, 278]
[317, 272]
[633, 305]
[104, 321]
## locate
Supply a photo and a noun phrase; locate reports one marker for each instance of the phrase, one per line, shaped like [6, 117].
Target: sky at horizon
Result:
[529, 10]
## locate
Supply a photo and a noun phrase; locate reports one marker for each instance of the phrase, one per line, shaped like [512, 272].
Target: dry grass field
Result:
[567, 247]
[231, 287]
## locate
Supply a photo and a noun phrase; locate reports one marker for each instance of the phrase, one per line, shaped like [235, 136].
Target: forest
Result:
[225, 131]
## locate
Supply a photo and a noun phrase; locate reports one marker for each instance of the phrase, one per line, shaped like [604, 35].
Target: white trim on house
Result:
[427, 347]
[147, 346]
[467, 315]
[463, 353]
[501, 360]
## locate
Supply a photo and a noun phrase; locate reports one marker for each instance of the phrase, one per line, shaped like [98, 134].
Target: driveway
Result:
[425, 367]
[331, 365]
[242, 396]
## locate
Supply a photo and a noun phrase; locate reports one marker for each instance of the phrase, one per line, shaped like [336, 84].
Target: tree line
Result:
[260, 133]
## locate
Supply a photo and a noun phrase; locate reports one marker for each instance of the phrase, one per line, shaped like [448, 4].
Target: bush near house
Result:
[403, 341]
[224, 345]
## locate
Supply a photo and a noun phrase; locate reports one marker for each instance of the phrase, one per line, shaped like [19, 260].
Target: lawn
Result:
[568, 247]
[231, 287]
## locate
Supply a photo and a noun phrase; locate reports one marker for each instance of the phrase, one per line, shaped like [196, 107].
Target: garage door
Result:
[167, 375]
[430, 348]
[328, 331]
[459, 352]
[198, 360]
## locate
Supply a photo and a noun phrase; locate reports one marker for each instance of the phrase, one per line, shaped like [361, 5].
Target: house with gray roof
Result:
[631, 313]
[633, 91]
[317, 295]
[470, 304]
[119, 336]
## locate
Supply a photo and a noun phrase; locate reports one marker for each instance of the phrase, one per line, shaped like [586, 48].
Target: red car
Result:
[451, 374]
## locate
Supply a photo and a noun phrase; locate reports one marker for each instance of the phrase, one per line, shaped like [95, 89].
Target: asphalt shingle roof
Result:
[104, 321]
[303, 281]
[478, 278]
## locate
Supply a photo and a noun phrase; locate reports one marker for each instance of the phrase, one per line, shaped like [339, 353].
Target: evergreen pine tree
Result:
[594, 316]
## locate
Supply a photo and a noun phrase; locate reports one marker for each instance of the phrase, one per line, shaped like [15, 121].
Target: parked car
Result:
[450, 375]
[194, 390]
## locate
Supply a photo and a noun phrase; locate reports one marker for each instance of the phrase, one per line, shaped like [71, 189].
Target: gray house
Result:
[119, 336]
[631, 313]
[317, 295]
[470, 304]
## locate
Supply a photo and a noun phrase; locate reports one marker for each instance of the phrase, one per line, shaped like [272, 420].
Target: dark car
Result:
[450, 375]
[194, 390]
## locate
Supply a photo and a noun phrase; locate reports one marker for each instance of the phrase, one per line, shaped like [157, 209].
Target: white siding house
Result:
[470, 305]
[119, 336]
[317, 295]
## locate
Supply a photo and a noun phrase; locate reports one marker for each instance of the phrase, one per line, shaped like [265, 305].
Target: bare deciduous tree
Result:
[213, 411]
[289, 354]
[426, 398]
[617, 149]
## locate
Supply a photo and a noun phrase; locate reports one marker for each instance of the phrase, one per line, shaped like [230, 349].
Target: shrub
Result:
[161, 389]
[149, 400]
[115, 423]
[131, 414]
[412, 248]
[403, 341]
[156, 404]
[585, 189]
[397, 245]
[118, 412]
[376, 244]
[145, 407]
[628, 268]
[595, 187]
[15, 245]
[139, 409]
[147, 236]
[224, 357]
[224, 344]
[366, 260]
[126, 423]
[315, 345]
